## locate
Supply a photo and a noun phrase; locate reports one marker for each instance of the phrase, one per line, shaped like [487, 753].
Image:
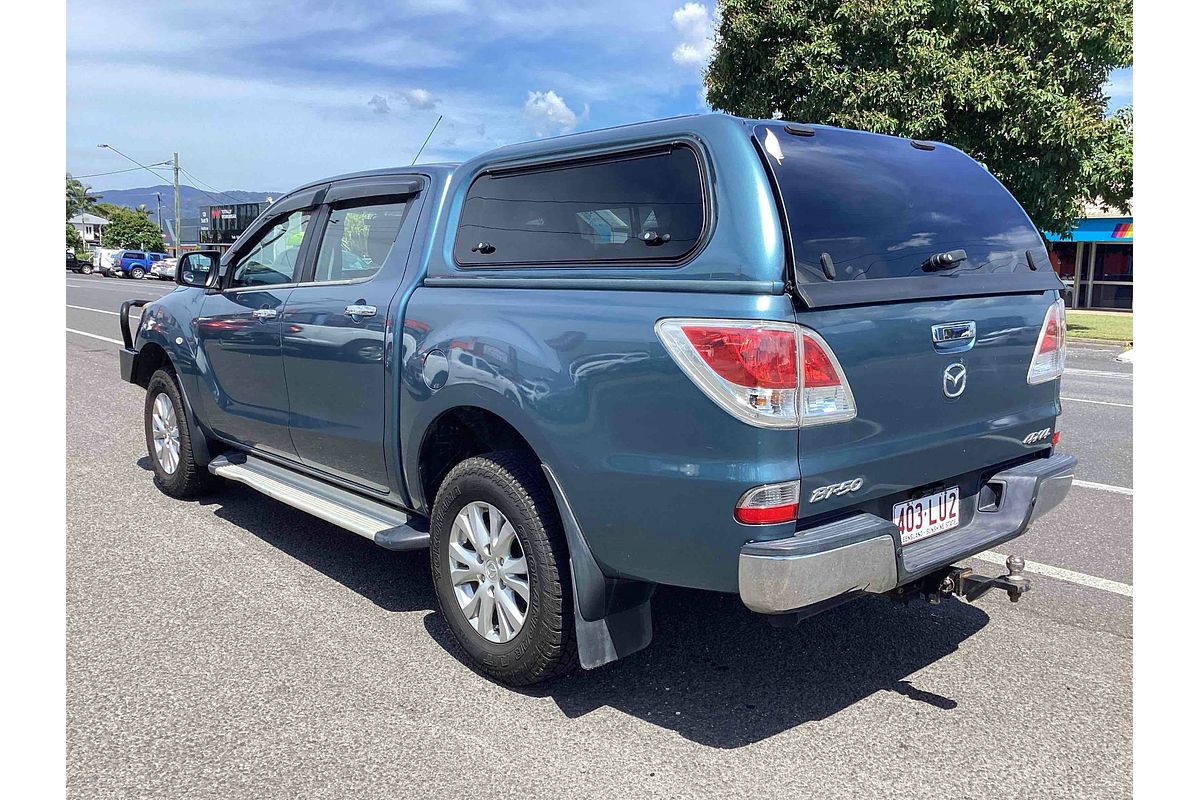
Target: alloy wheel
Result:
[488, 572]
[165, 431]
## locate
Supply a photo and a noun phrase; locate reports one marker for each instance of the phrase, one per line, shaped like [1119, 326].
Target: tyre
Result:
[86, 269]
[500, 569]
[169, 441]
[137, 273]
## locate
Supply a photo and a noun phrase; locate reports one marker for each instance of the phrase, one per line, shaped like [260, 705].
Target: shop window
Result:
[1114, 262]
[1062, 256]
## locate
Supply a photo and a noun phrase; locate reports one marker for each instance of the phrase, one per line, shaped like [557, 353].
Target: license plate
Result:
[926, 516]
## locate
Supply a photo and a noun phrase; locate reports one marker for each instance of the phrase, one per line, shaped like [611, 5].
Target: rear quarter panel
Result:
[651, 466]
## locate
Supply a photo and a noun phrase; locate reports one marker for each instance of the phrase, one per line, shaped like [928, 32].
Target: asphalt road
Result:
[234, 647]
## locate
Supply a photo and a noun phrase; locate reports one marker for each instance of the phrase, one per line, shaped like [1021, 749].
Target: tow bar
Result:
[963, 582]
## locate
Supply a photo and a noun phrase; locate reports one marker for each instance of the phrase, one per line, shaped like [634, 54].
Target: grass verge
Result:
[1096, 325]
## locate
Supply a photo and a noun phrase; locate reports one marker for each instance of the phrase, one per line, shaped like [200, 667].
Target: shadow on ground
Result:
[715, 673]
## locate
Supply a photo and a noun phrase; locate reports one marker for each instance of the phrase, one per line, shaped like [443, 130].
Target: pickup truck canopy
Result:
[866, 213]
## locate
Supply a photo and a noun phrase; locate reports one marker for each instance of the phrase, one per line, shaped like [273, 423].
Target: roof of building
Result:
[87, 219]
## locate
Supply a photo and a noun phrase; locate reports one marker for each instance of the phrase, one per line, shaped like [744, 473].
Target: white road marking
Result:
[1106, 373]
[1071, 576]
[1098, 402]
[125, 290]
[95, 336]
[102, 311]
[1104, 487]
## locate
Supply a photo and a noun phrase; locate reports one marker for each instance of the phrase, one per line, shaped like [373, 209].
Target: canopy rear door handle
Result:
[360, 311]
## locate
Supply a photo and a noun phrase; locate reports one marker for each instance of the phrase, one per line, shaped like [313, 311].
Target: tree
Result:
[1017, 84]
[127, 228]
[75, 242]
[79, 197]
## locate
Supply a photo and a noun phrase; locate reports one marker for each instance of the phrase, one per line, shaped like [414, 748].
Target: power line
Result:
[209, 185]
[118, 171]
[135, 161]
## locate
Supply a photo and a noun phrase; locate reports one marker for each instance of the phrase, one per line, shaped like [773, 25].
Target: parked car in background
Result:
[136, 264]
[163, 270]
[76, 264]
[792, 362]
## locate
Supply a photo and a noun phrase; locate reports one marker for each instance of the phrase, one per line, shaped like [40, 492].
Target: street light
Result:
[175, 168]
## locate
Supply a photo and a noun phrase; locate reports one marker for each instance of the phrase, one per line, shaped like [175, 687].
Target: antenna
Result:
[427, 138]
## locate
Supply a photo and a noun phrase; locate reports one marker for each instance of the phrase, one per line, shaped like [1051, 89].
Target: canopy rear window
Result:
[880, 207]
[646, 206]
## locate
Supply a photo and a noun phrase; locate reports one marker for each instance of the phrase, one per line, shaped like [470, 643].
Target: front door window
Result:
[272, 259]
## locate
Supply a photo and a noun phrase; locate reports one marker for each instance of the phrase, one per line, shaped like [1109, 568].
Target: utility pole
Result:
[158, 216]
[176, 170]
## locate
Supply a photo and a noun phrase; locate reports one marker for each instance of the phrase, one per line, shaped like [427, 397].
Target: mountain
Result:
[192, 203]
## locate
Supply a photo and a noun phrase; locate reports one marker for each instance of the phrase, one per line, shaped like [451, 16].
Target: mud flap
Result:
[612, 616]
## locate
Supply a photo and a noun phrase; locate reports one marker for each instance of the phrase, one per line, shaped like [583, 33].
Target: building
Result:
[1095, 260]
[220, 226]
[90, 227]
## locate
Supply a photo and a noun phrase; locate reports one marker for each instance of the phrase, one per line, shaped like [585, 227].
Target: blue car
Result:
[794, 363]
[134, 263]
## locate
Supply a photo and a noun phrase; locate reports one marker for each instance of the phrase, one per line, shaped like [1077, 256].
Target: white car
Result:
[163, 270]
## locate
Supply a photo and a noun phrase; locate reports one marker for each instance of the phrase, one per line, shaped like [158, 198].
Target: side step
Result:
[385, 525]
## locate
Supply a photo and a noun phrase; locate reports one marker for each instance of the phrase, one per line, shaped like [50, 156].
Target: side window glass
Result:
[272, 259]
[357, 239]
[630, 208]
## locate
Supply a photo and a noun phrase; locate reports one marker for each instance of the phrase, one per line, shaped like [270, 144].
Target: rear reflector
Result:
[1050, 354]
[769, 505]
[769, 374]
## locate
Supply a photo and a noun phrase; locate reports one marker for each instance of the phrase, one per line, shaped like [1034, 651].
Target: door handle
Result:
[265, 313]
[360, 311]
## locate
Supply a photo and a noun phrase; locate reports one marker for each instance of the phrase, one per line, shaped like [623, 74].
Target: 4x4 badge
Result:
[954, 380]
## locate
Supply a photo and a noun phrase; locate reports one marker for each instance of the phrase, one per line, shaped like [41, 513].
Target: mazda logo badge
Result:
[954, 380]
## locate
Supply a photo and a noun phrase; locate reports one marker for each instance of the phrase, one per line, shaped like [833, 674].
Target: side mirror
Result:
[200, 268]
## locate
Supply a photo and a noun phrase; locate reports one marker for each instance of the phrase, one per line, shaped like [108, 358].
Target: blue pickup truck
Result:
[792, 362]
[136, 264]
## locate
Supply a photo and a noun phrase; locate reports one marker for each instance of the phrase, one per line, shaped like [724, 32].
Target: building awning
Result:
[1115, 230]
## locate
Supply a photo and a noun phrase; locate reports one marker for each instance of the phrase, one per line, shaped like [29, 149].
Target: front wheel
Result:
[86, 270]
[137, 273]
[500, 569]
[169, 440]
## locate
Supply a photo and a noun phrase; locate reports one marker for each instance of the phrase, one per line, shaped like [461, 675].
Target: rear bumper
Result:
[863, 554]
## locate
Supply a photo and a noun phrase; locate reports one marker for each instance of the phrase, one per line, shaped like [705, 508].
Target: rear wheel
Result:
[500, 567]
[137, 273]
[86, 269]
[169, 440]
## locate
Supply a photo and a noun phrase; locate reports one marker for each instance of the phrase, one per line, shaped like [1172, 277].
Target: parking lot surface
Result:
[235, 647]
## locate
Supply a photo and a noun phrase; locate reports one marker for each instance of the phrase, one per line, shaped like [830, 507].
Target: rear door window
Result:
[357, 238]
[641, 207]
[880, 207]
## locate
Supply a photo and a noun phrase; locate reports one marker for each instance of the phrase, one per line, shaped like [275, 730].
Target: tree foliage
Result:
[1017, 84]
[75, 241]
[79, 197]
[127, 228]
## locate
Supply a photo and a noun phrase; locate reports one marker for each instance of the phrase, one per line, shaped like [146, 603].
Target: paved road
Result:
[234, 647]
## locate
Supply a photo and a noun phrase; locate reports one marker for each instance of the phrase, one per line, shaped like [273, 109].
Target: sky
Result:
[266, 95]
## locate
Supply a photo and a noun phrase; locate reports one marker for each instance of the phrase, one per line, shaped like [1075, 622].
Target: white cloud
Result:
[379, 103]
[548, 114]
[695, 26]
[418, 98]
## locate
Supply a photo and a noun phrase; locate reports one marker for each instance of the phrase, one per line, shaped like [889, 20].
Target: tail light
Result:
[769, 374]
[767, 505]
[1050, 355]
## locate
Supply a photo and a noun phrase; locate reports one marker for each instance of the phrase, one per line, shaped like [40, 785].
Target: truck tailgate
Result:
[909, 432]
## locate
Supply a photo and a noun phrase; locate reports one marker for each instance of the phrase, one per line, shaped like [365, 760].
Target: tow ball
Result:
[963, 582]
